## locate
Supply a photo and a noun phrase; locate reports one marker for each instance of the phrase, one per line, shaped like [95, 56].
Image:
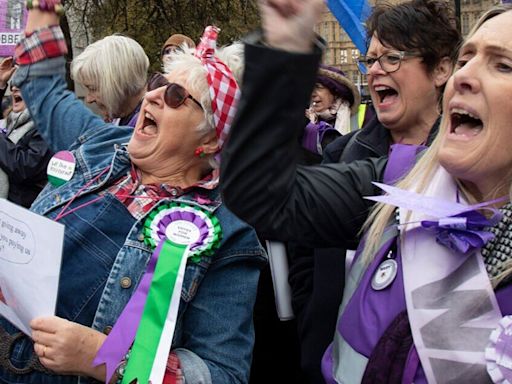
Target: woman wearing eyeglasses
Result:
[411, 50]
[147, 240]
[427, 299]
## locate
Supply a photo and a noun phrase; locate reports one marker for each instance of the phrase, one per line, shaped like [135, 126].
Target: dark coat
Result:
[317, 276]
[263, 185]
[25, 165]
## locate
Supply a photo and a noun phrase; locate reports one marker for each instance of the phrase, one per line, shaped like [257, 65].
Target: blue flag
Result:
[351, 14]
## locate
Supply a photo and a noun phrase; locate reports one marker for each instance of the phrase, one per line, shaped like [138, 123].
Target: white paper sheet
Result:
[30, 258]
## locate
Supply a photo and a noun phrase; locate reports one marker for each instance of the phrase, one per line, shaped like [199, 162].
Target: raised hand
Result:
[66, 347]
[7, 68]
[288, 24]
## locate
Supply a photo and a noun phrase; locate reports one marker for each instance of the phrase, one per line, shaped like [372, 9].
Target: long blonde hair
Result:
[421, 174]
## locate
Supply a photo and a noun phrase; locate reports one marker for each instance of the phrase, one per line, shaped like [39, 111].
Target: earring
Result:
[199, 152]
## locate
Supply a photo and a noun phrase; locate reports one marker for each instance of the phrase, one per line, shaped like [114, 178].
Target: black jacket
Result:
[317, 276]
[320, 206]
[25, 165]
[316, 206]
[372, 140]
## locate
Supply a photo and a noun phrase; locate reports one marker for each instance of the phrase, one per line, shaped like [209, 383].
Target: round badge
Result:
[182, 232]
[385, 274]
[61, 168]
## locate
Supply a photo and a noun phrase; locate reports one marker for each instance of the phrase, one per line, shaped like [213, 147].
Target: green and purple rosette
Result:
[177, 232]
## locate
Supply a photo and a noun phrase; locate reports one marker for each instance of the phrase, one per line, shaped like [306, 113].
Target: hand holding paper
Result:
[66, 347]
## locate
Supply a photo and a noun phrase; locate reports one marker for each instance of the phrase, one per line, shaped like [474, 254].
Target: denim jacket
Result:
[214, 332]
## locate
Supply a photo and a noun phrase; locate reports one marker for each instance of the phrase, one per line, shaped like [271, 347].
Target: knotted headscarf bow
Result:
[224, 90]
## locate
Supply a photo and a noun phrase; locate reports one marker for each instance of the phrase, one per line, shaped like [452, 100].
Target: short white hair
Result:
[116, 66]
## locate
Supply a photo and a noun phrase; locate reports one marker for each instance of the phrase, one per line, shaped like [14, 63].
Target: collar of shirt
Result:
[139, 198]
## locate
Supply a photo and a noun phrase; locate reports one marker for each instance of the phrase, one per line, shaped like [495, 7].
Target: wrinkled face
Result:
[321, 98]
[477, 139]
[93, 96]
[401, 97]
[18, 104]
[163, 132]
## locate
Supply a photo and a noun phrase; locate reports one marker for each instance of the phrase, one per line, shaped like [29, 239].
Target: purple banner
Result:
[13, 17]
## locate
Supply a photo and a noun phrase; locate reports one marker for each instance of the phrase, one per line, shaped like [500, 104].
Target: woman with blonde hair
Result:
[113, 72]
[428, 294]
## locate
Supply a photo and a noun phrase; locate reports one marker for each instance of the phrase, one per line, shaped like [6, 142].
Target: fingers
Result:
[285, 8]
[7, 62]
[43, 338]
[49, 324]
[43, 351]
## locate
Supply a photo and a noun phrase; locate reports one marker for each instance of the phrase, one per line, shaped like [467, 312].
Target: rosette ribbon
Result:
[457, 226]
[176, 232]
[498, 353]
[463, 232]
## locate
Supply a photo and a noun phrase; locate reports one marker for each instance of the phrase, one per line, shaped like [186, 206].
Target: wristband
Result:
[46, 6]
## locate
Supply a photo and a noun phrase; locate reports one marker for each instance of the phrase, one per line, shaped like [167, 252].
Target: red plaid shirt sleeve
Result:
[173, 374]
[42, 44]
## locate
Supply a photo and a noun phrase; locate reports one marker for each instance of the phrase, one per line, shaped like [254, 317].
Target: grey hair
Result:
[116, 66]
[185, 62]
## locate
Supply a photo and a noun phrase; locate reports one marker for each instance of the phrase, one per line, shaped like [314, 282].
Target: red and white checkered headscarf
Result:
[224, 90]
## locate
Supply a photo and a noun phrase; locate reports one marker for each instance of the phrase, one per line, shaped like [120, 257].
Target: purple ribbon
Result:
[463, 232]
[314, 134]
[123, 333]
[401, 159]
[499, 352]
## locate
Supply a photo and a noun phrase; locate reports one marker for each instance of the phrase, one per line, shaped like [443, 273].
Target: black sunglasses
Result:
[175, 95]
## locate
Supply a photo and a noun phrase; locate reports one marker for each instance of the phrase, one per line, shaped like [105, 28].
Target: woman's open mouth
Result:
[148, 127]
[385, 93]
[464, 123]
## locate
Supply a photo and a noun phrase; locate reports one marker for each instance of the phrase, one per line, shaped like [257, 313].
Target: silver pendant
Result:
[385, 274]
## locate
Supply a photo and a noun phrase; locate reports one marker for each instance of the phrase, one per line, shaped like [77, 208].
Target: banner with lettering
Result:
[13, 17]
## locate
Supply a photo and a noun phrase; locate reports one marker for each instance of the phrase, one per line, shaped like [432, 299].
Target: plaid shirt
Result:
[47, 43]
[41, 44]
[139, 198]
[173, 374]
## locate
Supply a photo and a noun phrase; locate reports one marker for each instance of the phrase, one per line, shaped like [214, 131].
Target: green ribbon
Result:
[146, 342]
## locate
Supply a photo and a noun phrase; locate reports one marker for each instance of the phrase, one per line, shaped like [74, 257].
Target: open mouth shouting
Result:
[386, 94]
[464, 123]
[149, 126]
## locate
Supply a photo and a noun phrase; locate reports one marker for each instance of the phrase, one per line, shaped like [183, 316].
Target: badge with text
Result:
[61, 168]
[385, 274]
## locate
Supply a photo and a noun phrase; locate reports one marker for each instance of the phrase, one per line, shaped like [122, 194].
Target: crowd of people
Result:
[397, 232]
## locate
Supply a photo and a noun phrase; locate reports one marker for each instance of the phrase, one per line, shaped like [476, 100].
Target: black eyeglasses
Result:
[175, 95]
[389, 62]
